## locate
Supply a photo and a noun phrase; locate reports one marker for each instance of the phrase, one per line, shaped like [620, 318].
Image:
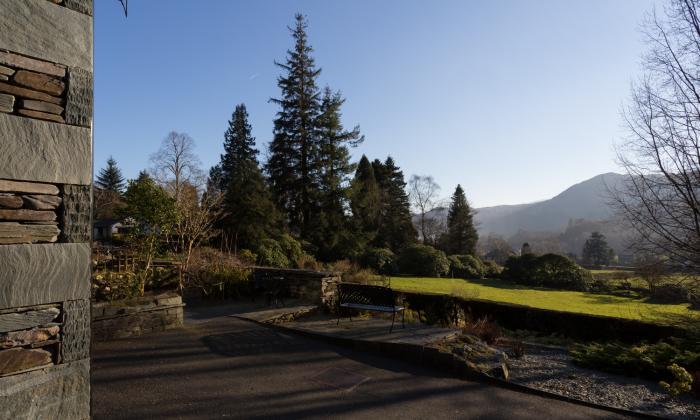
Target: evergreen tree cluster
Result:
[309, 189]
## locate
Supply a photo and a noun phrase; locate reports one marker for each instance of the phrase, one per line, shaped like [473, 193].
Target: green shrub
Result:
[549, 270]
[466, 267]
[218, 274]
[649, 361]
[491, 269]
[423, 260]
[291, 247]
[111, 286]
[682, 381]
[248, 257]
[271, 254]
[308, 262]
[381, 260]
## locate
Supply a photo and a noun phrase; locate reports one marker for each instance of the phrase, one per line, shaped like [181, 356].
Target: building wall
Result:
[46, 65]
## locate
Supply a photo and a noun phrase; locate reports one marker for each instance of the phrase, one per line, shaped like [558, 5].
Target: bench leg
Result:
[403, 318]
[338, 322]
[393, 317]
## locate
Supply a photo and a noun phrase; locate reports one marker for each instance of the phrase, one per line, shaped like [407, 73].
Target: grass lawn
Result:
[581, 302]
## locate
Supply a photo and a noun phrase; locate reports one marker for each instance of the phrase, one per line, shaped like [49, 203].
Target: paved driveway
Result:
[225, 367]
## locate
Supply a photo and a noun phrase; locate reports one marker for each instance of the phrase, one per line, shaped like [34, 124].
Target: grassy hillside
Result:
[581, 302]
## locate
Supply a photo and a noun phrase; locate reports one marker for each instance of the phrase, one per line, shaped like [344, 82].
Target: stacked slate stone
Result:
[28, 212]
[31, 87]
[46, 66]
[29, 338]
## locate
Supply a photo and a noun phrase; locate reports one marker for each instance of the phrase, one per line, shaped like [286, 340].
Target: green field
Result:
[580, 302]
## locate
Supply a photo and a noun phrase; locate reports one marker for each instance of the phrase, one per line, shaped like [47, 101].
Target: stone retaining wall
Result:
[111, 320]
[301, 284]
[46, 64]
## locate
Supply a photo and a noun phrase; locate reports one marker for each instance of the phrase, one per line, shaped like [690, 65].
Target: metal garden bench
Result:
[368, 298]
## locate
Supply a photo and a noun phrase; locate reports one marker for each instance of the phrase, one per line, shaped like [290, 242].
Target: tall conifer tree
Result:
[291, 167]
[249, 213]
[461, 236]
[110, 178]
[365, 202]
[332, 232]
[396, 228]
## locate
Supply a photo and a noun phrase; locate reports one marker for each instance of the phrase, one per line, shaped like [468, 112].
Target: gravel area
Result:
[551, 369]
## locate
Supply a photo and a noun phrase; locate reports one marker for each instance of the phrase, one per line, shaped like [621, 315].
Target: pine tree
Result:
[331, 233]
[365, 202]
[396, 228]
[461, 236]
[249, 213]
[291, 167]
[110, 178]
[596, 250]
[239, 146]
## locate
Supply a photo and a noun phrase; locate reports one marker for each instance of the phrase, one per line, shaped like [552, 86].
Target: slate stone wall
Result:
[141, 316]
[46, 102]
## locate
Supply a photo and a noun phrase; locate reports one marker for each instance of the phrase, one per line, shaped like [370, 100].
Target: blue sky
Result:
[515, 100]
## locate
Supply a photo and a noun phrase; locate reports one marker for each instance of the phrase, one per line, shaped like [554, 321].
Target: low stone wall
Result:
[301, 284]
[441, 309]
[111, 320]
[454, 311]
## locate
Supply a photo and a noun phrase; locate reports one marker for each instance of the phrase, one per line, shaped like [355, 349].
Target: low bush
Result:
[466, 267]
[283, 252]
[682, 381]
[308, 262]
[218, 274]
[423, 260]
[485, 329]
[381, 260]
[110, 286]
[491, 269]
[271, 254]
[651, 361]
[670, 293]
[248, 257]
[548, 270]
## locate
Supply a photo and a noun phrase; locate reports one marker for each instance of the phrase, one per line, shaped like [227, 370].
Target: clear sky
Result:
[515, 100]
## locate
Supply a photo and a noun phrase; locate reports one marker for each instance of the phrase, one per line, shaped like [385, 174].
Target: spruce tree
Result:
[239, 147]
[249, 213]
[461, 236]
[291, 167]
[110, 178]
[365, 202]
[396, 228]
[331, 232]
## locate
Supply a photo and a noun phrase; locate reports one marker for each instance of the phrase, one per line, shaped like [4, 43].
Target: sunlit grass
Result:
[569, 301]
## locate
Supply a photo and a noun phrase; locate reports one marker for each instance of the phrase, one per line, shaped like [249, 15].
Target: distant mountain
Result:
[586, 200]
[560, 224]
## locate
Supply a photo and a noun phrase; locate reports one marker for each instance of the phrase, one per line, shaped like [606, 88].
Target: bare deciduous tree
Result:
[423, 193]
[175, 164]
[195, 218]
[662, 154]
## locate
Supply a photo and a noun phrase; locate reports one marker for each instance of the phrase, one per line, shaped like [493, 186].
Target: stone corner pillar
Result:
[46, 102]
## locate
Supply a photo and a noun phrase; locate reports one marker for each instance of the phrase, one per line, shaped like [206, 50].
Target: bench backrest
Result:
[365, 294]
